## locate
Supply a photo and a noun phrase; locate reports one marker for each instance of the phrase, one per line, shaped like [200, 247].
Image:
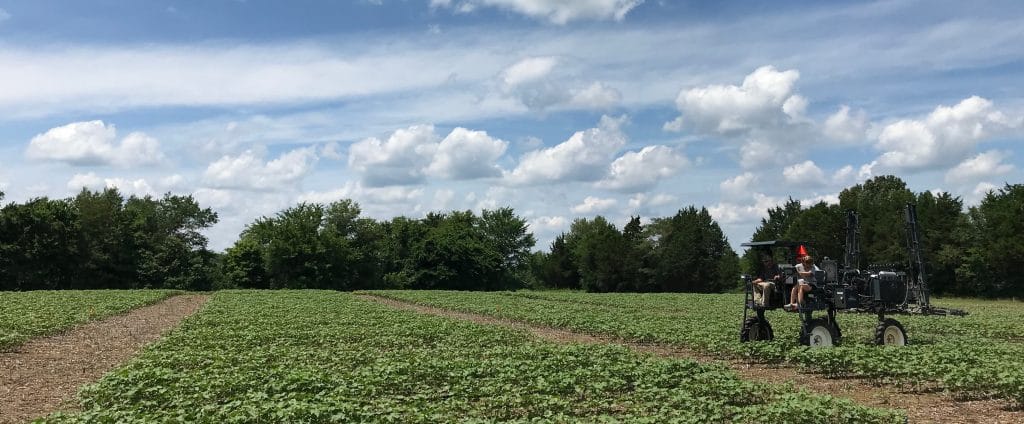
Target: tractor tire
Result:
[819, 333]
[891, 333]
[756, 330]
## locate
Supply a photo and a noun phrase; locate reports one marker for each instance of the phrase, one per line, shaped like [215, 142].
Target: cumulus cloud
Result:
[557, 12]
[944, 137]
[748, 213]
[640, 171]
[597, 95]
[583, 157]
[846, 126]
[331, 151]
[94, 143]
[982, 166]
[250, 171]
[398, 160]
[528, 70]
[466, 154]
[593, 204]
[365, 195]
[137, 187]
[804, 174]
[647, 204]
[411, 154]
[728, 109]
[738, 187]
[538, 84]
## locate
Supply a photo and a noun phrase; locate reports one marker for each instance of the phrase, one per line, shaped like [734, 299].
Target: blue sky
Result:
[559, 109]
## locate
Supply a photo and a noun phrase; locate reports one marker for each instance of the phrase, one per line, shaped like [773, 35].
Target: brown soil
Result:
[921, 406]
[43, 374]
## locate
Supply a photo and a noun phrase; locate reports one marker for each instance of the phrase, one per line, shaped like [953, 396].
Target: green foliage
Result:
[973, 355]
[313, 356]
[994, 238]
[880, 203]
[102, 240]
[30, 314]
[691, 254]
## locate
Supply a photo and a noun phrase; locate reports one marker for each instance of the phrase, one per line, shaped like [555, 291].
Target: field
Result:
[28, 314]
[975, 356]
[313, 356]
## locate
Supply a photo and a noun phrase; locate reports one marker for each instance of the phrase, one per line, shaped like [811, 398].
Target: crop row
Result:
[33, 313]
[317, 356]
[977, 355]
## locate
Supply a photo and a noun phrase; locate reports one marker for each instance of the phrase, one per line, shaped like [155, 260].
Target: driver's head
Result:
[807, 259]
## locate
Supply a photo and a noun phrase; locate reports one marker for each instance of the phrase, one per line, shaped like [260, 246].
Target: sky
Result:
[559, 109]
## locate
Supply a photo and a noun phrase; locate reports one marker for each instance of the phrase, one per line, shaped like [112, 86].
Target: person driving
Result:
[765, 282]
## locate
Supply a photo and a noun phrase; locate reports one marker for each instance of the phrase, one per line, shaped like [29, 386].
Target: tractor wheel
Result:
[819, 333]
[755, 330]
[890, 333]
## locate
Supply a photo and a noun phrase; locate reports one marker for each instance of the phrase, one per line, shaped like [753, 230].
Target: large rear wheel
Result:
[755, 330]
[890, 332]
[819, 333]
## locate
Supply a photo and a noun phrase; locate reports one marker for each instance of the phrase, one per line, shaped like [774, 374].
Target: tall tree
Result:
[692, 253]
[510, 236]
[598, 252]
[991, 265]
[880, 202]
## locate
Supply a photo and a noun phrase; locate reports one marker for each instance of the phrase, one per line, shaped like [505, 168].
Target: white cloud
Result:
[946, 136]
[583, 157]
[639, 171]
[249, 171]
[979, 193]
[646, 204]
[94, 143]
[805, 174]
[557, 12]
[137, 187]
[528, 70]
[728, 109]
[759, 153]
[847, 127]
[394, 199]
[548, 223]
[408, 155]
[734, 213]
[539, 83]
[844, 175]
[331, 151]
[466, 154]
[593, 205]
[738, 187]
[831, 199]
[398, 160]
[982, 166]
[595, 96]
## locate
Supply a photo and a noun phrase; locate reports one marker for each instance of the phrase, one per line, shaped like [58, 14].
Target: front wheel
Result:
[755, 330]
[819, 333]
[890, 332]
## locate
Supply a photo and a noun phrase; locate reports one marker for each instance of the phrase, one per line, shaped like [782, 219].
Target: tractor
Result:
[882, 289]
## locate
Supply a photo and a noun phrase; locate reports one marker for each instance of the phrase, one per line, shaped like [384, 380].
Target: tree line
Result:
[104, 240]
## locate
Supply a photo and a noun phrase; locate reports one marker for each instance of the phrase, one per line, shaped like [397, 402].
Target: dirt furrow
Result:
[920, 407]
[43, 374]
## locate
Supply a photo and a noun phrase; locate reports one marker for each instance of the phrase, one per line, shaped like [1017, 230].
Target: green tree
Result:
[560, 269]
[823, 226]
[598, 251]
[510, 236]
[940, 219]
[995, 240]
[692, 253]
[38, 245]
[880, 202]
